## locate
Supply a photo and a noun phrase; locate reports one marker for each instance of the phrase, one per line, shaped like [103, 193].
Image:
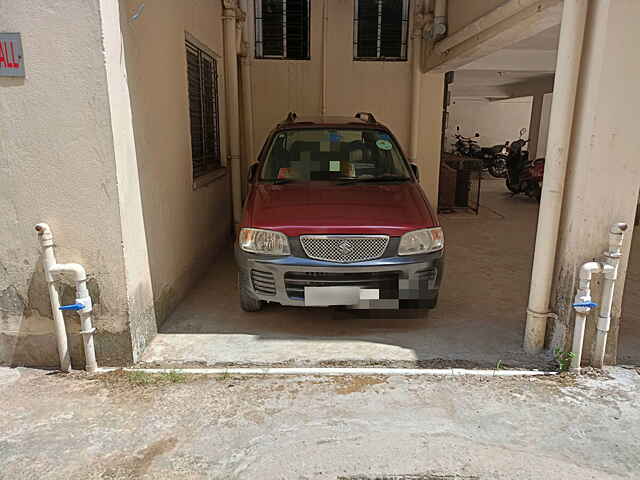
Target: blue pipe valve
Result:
[75, 306]
[586, 304]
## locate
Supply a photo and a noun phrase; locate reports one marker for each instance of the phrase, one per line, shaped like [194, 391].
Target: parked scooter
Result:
[524, 176]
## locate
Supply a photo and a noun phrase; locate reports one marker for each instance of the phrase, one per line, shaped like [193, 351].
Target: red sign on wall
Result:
[11, 58]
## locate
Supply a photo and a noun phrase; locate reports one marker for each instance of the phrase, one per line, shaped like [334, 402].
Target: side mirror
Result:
[477, 134]
[523, 131]
[458, 128]
[415, 170]
[253, 171]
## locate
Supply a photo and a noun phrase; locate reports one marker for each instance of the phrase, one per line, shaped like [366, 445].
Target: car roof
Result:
[333, 121]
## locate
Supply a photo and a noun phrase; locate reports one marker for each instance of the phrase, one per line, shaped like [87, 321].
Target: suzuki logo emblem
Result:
[345, 247]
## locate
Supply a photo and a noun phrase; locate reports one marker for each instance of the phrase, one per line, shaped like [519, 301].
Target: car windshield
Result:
[333, 154]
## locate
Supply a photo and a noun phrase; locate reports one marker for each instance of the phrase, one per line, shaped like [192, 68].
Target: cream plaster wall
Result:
[185, 227]
[383, 88]
[496, 122]
[57, 166]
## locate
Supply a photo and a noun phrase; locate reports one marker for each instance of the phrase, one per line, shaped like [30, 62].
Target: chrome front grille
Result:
[344, 248]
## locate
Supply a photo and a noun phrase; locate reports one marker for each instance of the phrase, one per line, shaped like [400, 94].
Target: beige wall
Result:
[496, 122]
[185, 227]
[462, 12]
[57, 166]
[382, 88]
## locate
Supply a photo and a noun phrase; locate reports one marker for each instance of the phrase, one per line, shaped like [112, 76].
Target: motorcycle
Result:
[524, 176]
[466, 146]
[494, 159]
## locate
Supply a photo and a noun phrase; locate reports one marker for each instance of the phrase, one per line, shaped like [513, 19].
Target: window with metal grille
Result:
[202, 75]
[282, 29]
[380, 30]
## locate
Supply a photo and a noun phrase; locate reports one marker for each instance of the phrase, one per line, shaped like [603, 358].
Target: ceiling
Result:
[522, 69]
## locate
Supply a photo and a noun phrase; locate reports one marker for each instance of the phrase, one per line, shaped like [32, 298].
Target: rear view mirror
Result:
[415, 170]
[253, 171]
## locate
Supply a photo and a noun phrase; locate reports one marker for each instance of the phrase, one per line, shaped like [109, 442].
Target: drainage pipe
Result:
[582, 305]
[574, 15]
[247, 93]
[49, 260]
[613, 255]
[323, 87]
[233, 111]
[416, 82]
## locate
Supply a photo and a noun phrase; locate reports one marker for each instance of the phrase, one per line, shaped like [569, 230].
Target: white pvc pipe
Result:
[583, 296]
[48, 260]
[233, 109]
[574, 16]
[613, 255]
[79, 274]
[331, 371]
[82, 296]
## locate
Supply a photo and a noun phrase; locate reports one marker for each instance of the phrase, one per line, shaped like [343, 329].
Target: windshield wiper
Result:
[386, 178]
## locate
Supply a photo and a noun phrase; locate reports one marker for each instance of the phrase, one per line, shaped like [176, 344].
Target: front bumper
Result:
[403, 281]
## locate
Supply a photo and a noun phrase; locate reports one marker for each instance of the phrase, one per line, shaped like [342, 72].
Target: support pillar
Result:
[534, 125]
[603, 174]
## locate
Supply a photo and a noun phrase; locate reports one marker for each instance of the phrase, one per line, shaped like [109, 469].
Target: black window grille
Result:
[202, 75]
[282, 29]
[380, 30]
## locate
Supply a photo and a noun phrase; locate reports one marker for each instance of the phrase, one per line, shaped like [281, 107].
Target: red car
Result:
[335, 216]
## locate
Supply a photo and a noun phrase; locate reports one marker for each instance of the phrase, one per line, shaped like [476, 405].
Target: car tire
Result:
[248, 302]
[431, 303]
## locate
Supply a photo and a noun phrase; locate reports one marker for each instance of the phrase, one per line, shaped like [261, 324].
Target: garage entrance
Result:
[629, 345]
[478, 321]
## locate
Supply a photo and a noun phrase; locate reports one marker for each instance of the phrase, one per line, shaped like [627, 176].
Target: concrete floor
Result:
[423, 428]
[479, 320]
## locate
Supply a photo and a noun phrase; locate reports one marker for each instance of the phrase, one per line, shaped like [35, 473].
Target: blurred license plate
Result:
[340, 295]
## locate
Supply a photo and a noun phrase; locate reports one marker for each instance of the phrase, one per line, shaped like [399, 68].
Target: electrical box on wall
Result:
[11, 57]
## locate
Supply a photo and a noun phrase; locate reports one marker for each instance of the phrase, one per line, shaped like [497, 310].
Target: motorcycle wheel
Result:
[537, 191]
[499, 168]
[512, 188]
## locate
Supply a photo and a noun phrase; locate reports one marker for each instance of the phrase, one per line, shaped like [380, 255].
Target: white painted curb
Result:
[339, 371]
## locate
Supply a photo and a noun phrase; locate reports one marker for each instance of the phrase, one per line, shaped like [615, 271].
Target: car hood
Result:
[327, 208]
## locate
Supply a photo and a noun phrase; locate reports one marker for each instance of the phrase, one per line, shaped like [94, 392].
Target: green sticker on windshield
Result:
[384, 144]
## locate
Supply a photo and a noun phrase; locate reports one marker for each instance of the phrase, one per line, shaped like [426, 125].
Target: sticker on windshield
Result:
[334, 165]
[384, 144]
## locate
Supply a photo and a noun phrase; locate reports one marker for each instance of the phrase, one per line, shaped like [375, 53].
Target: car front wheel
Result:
[248, 302]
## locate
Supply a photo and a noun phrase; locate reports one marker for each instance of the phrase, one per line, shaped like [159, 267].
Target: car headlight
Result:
[255, 240]
[421, 241]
